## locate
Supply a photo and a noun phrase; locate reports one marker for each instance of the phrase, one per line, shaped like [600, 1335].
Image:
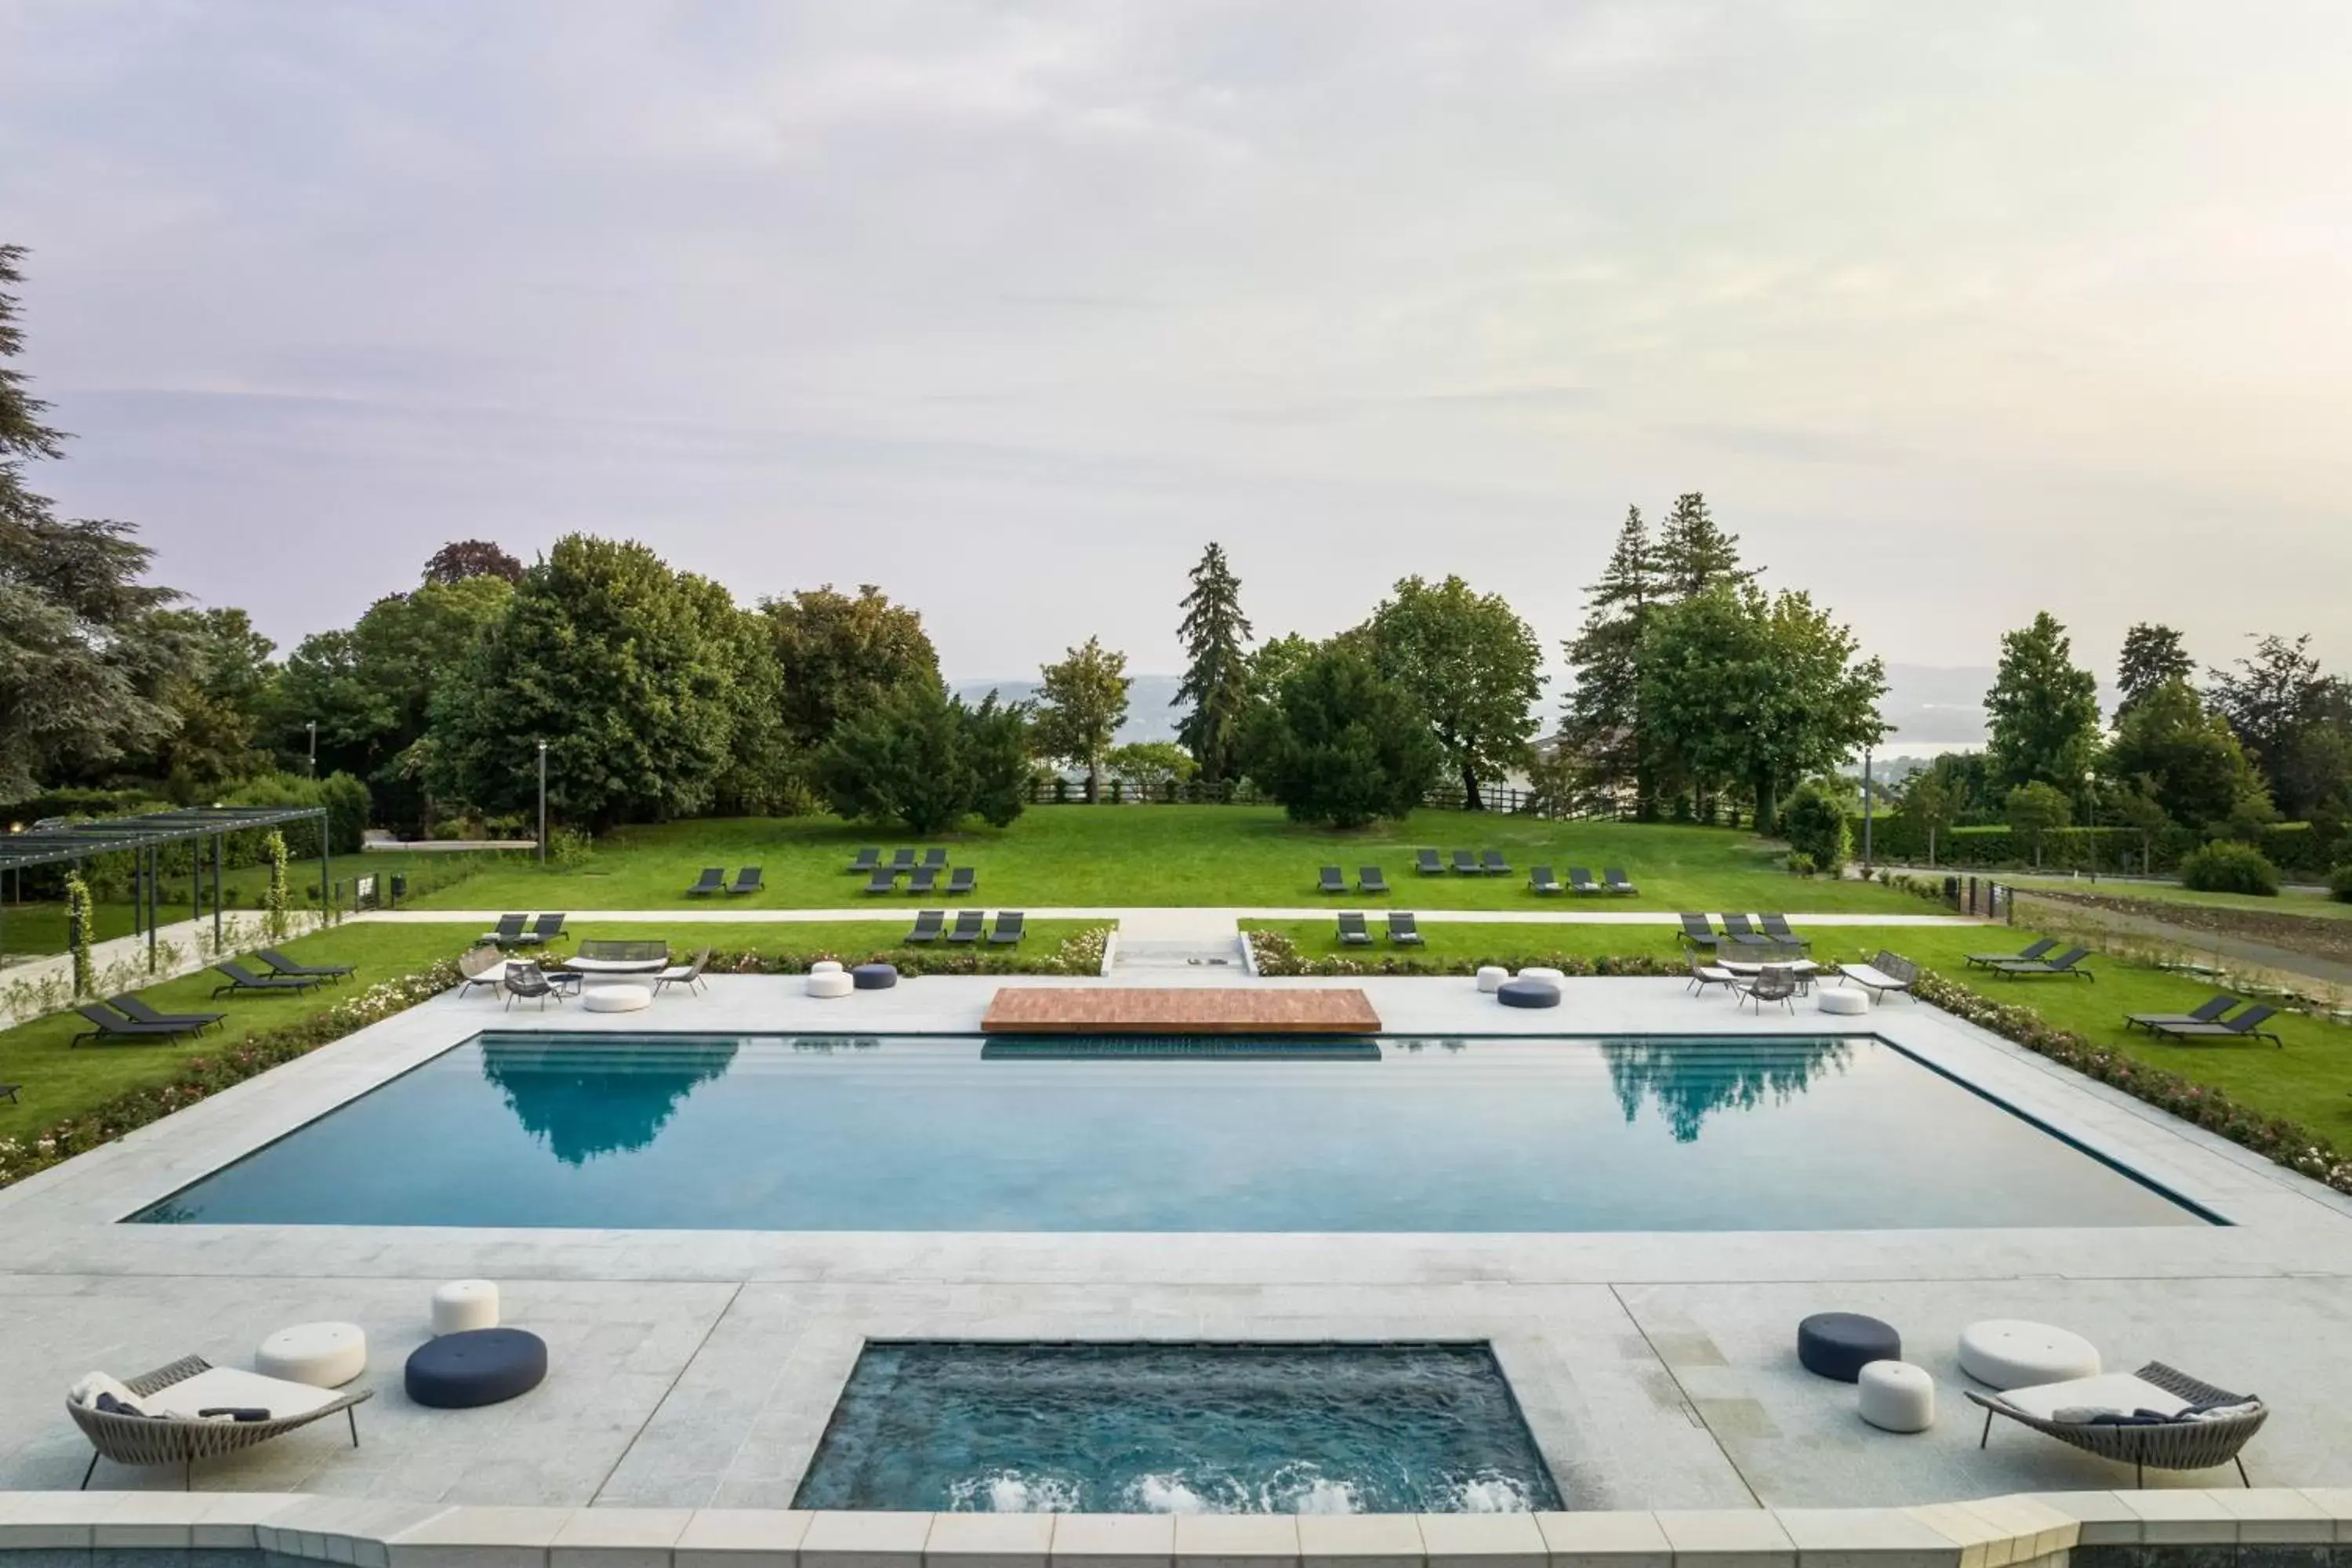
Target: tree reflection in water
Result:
[1688, 1081]
[588, 1099]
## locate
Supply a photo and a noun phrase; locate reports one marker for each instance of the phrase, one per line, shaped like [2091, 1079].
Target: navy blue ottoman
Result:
[479, 1366]
[1527, 994]
[1840, 1344]
[874, 976]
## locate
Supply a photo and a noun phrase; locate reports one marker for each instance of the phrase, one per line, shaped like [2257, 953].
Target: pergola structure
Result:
[76, 842]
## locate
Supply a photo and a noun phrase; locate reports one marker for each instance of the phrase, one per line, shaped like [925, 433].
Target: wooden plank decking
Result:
[1185, 1010]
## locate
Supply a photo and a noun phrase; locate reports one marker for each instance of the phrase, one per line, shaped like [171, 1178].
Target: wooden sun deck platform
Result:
[1188, 1010]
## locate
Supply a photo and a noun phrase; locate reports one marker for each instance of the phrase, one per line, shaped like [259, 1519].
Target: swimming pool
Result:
[766, 1133]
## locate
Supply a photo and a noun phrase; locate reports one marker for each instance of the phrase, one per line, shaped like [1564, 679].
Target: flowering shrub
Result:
[201, 1076]
[1080, 953]
[2274, 1138]
[1276, 953]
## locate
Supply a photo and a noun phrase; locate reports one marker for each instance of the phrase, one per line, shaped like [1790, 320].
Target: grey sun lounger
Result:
[903, 860]
[1493, 864]
[929, 923]
[1737, 929]
[1776, 928]
[1580, 881]
[924, 879]
[281, 965]
[1012, 925]
[1543, 881]
[138, 1011]
[547, 928]
[113, 1026]
[867, 860]
[2066, 963]
[712, 881]
[2208, 1011]
[1615, 877]
[1404, 930]
[2247, 1025]
[1427, 863]
[1698, 933]
[1371, 879]
[936, 859]
[1351, 929]
[882, 880]
[1465, 863]
[508, 931]
[243, 979]
[747, 880]
[963, 879]
[1330, 879]
[970, 925]
[2027, 954]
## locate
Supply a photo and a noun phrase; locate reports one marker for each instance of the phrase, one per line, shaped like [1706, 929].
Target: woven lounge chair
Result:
[1615, 877]
[1883, 975]
[1703, 975]
[1580, 881]
[1404, 930]
[687, 975]
[928, 926]
[484, 965]
[1371, 879]
[243, 979]
[1773, 983]
[138, 1011]
[1012, 925]
[1330, 879]
[2026, 954]
[2166, 1446]
[169, 1439]
[1493, 864]
[2247, 1025]
[867, 860]
[963, 879]
[1542, 882]
[528, 983]
[1427, 863]
[2208, 1011]
[1351, 929]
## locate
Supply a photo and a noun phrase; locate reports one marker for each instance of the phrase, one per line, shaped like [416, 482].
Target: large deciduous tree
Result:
[916, 756]
[463, 558]
[1604, 733]
[1472, 666]
[1758, 689]
[837, 654]
[1340, 744]
[1216, 637]
[2295, 720]
[217, 692]
[2044, 710]
[1082, 702]
[2185, 758]
[2153, 656]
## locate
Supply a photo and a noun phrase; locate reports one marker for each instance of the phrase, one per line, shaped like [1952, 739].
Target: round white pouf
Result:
[1897, 1397]
[832, 983]
[616, 998]
[464, 1304]
[1540, 973]
[2007, 1352]
[1845, 1004]
[324, 1356]
[1491, 977]
[825, 966]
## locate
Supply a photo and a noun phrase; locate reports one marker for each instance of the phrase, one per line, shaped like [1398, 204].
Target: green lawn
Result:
[2306, 1081]
[1183, 856]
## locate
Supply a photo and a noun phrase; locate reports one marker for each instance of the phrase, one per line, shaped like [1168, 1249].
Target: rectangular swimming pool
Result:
[765, 1132]
[933, 1427]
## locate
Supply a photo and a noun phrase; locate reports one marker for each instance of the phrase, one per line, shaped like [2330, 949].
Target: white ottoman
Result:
[1844, 1004]
[833, 983]
[1539, 973]
[1897, 1397]
[464, 1304]
[826, 966]
[1491, 977]
[610, 998]
[2007, 1352]
[324, 1356]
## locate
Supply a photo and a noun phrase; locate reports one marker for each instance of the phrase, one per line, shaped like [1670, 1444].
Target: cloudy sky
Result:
[1954, 311]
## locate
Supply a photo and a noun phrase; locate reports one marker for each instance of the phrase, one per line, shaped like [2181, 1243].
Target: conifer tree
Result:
[1692, 553]
[1604, 725]
[1216, 683]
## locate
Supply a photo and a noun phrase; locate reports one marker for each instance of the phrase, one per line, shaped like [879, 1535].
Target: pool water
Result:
[1178, 1428]
[895, 1134]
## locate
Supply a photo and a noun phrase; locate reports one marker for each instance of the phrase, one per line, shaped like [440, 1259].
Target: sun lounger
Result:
[158, 1424]
[1737, 930]
[1371, 879]
[1705, 974]
[1580, 881]
[928, 926]
[138, 1011]
[280, 964]
[109, 1025]
[1465, 863]
[2208, 1011]
[1493, 864]
[2223, 1424]
[1330, 880]
[712, 881]
[687, 975]
[867, 860]
[747, 880]
[882, 880]
[1543, 881]
[1699, 933]
[923, 879]
[243, 979]
[935, 858]
[1010, 927]
[2026, 954]
[484, 965]
[902, 860]
[2247, 1025]
[1351, 929]
[2067, 963]
[1427, 863]
[1615, 877]
[1776, 928]
[510, 932]
[1404, 930]
[970, 926]
[1883, 976]
[963, 879]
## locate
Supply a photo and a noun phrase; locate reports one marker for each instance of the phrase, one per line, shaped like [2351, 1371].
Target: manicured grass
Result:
[1250, 857]
[2307, 1081]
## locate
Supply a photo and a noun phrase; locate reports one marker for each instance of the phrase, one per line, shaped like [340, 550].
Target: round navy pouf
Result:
[874, 976]
[1527, 994]
[1840, 1344]
[479, 1366]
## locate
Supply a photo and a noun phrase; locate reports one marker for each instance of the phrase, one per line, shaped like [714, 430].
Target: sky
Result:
[1954, 311]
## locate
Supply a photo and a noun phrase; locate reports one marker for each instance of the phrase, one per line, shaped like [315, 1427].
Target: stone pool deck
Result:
[696, 1370]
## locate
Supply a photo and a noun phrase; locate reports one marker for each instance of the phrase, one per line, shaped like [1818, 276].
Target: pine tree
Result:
[2153, 656]
[1603, 724]
[1694, 554]
[1216, 683]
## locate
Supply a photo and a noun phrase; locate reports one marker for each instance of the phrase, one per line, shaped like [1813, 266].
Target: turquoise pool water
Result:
[1178, 1428]
[834, 1133]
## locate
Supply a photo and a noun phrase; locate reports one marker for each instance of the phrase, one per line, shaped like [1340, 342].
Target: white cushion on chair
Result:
[464, 1304]
[323, 1355]
[833, 983]
[222, 1386]
[2009, 1353]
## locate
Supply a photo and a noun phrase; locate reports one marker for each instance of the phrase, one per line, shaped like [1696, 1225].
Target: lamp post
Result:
[543, 803]
[1866, 803]
[312, 726]
[2091, 814]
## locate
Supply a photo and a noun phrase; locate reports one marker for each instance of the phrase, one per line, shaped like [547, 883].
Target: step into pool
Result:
[932, 1426]
[781, 1132]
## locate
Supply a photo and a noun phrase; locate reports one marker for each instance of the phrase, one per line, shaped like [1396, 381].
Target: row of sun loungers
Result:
[1373, 880]
[2212, 1020]
[1580, 881]
[2032, 959]
[1770, 932]
[931, 926]
[925, 880]
[714, 880]
[1368, 879]
[127, 1017]
[511, 932]
[901, 861]
[1404, 930]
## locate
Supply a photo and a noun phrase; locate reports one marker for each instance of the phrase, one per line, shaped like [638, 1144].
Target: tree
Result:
[216, 694]
[1216, 682]
[1692, 553]
[1817, 825]
[2153, 655]
[917, 756]
[2293, 720]
[1150, 767]
[631, 673]
[1604, 725]
[1472, 666]
[1763, 691]
[1341, 745]
[1927, 801]
[463, 558]
[837, 655]
[2044, 710]
[84, 663]
[2184, 757]
[2034, 809]
[1081, 704]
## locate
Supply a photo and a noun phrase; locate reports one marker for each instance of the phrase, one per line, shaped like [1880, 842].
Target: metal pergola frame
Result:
[76, 842]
